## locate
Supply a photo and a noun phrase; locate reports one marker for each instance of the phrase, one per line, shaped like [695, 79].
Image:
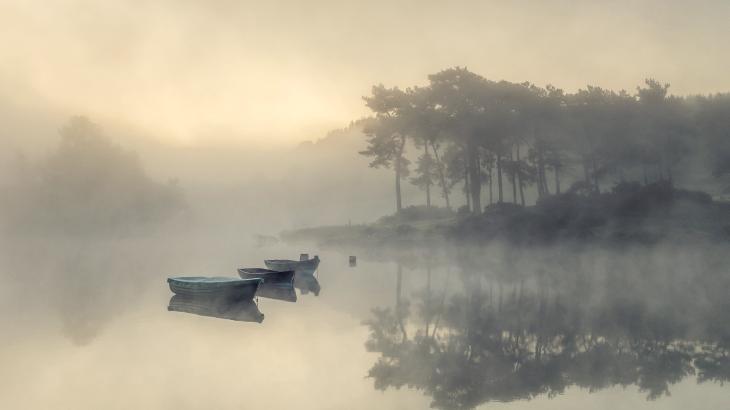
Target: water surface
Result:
[86, 325]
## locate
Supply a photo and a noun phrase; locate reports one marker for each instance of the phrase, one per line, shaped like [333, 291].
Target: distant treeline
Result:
[88, 185]
[506, 137]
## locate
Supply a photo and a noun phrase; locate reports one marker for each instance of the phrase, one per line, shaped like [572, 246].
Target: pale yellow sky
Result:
[285, 71]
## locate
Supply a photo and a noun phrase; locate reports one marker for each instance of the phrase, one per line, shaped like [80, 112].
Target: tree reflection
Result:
[529, 339]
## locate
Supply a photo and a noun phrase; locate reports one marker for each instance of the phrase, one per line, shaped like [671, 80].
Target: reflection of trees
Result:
[83, 284]
[83, 293]
[479, 346]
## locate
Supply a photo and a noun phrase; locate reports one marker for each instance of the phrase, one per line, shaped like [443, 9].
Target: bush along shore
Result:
[630, 214]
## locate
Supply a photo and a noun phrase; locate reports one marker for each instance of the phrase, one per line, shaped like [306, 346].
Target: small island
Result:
[536, 165]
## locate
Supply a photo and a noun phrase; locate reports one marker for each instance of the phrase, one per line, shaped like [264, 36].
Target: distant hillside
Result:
[325, 181]
[88, 185]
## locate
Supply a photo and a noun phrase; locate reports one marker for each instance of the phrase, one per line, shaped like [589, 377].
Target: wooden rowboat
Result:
[215, 287]
[267, 275]
[276, 285]
[303, 266]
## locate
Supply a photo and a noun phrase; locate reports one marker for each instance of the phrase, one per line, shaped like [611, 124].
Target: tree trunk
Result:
[501, 291]
[428, 182]
[466, 186]
[593, 165]
[499, 178]
[398, 203]
[428, 309]
[557, 181]
[541, 183]
[475, 179]
[398, 304]
[398, 285]
[519, 177]
[595, 175]
[479, 179]
[441, 175]
[514, 176]
[491, 183]
[545, 188]
[428, 196]
[398, 157]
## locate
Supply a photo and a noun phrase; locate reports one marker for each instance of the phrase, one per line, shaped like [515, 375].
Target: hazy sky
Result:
[284, 71]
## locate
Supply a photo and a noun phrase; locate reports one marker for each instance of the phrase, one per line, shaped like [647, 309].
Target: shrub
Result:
[417, 213]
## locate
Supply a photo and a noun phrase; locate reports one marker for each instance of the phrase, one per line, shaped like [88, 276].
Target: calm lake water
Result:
[86, 325]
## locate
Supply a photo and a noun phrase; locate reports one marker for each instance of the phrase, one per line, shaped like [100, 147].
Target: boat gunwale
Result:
[234, 287]
[269, 276]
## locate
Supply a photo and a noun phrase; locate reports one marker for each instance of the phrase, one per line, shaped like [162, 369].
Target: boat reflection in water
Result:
[240, 310]
[304, 265]
[306, 283]
[276, 284]
[232, 298]
[278, 291]
[515, 338]
[283, 276]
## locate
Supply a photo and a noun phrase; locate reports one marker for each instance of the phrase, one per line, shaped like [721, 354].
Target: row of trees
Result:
[503, 136]
[88, 185]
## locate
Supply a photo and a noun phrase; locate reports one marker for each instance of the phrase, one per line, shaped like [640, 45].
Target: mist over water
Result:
[560, 243]
[633, 328]
[92, 228]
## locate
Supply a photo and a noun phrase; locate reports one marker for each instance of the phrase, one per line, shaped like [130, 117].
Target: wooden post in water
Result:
[353, 261]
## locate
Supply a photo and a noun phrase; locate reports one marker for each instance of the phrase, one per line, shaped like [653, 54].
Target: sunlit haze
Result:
[392, 205]
[279, 72]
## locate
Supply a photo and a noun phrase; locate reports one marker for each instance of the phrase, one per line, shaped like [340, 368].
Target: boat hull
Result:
[226, 288]
[307, 266]
[267, 275]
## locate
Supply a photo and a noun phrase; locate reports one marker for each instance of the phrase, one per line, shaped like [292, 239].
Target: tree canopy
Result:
[493, 133]
[88, 185]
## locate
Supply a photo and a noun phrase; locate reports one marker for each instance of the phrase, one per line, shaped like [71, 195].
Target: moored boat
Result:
[276, 284]
[228, 288]
[267, 275]
[305, 266]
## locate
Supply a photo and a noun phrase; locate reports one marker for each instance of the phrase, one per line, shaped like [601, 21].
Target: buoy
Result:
[303, 256]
